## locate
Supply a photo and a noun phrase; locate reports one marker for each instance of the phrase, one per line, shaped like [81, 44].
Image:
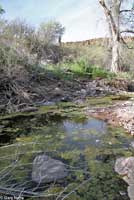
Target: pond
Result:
[88, 147]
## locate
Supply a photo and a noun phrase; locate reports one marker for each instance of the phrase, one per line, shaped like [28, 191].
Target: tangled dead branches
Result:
[13, 94]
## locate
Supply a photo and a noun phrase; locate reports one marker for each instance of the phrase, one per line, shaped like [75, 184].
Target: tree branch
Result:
[122, 11]
[127, 31]
[108, 14]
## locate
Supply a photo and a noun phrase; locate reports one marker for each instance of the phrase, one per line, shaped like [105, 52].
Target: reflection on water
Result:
[87, 133]
[92, 124]
[88, 149]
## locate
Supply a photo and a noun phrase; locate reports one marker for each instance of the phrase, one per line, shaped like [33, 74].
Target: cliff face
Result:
[99, 41]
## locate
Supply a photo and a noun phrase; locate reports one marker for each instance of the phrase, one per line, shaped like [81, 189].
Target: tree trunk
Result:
[115, 64]
[113, 16]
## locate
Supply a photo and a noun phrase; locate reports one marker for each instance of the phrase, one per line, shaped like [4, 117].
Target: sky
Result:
[83, 19]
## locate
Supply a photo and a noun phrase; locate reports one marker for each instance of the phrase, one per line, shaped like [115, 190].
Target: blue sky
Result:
[83, 19]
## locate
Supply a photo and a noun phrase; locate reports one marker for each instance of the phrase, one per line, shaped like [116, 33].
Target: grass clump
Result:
[79, 68]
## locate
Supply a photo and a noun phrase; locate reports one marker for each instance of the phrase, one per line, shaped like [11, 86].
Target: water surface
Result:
[88, 148]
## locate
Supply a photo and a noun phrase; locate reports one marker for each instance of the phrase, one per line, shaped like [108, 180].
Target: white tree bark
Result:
[112, 10]
[115, 64]
[113, 16]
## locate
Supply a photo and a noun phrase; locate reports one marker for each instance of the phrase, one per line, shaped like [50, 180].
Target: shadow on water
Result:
[87, 147]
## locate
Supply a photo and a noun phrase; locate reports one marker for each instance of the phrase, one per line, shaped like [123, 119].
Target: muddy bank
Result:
[121, 114]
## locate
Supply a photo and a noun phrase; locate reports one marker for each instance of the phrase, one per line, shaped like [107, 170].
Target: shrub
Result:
[83, 68]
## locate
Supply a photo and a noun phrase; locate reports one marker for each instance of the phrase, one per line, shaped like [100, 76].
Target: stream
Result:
[88, 147]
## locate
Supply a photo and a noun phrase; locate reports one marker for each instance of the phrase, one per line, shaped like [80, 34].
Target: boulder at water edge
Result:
[125, 167]
[130, 191]
[46, 169]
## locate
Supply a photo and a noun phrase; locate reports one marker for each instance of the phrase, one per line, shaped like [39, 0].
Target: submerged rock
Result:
[47, 170]
[125, 167]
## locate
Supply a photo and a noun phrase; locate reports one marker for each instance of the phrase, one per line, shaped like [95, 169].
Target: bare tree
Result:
[115, 15]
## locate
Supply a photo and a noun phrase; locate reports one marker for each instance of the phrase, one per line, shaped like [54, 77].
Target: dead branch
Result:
[124, 11]
[127, 31]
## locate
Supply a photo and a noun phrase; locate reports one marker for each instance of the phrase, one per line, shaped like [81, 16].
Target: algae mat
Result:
[88, 148]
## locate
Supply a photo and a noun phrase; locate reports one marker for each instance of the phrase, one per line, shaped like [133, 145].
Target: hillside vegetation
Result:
[33, 62]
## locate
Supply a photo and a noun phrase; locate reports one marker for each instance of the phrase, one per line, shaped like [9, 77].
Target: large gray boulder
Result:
[125, 167]
[46, 169]
[130, 191]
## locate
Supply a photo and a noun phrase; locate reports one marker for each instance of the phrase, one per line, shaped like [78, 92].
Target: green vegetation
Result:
[91, 61]
[79, 68]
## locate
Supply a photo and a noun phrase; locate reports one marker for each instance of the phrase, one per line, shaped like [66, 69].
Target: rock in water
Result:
[47, 170]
